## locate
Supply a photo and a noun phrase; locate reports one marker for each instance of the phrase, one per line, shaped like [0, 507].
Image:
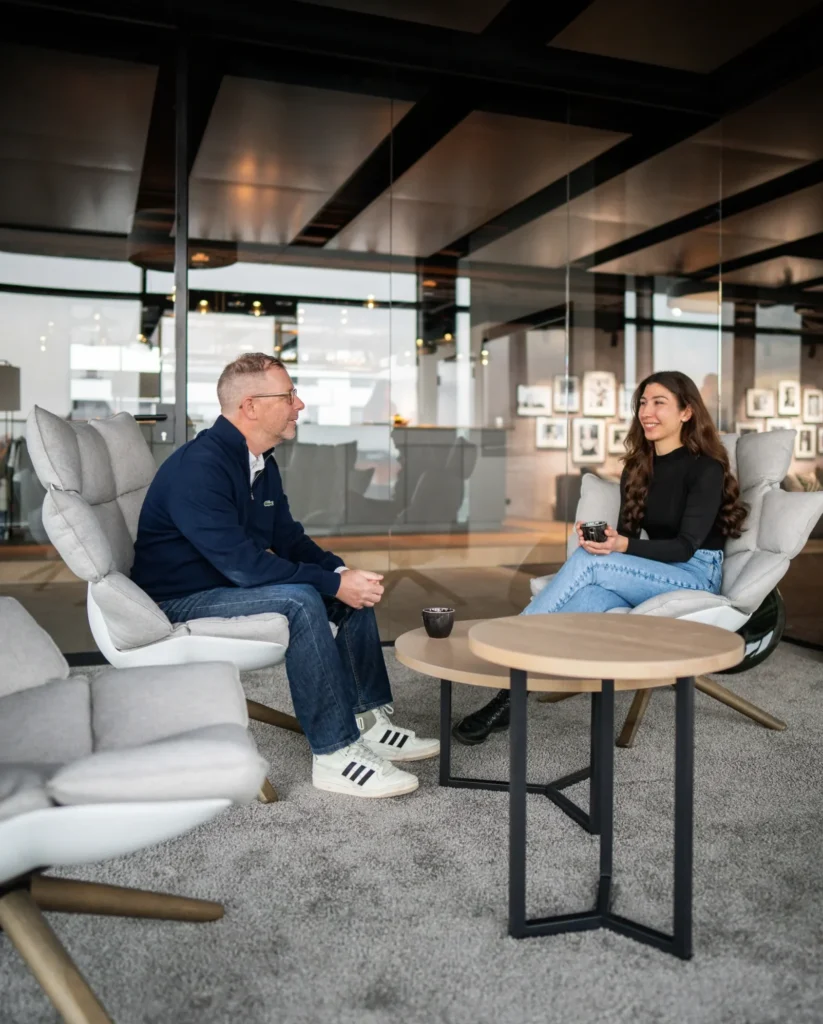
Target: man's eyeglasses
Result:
[282, 394]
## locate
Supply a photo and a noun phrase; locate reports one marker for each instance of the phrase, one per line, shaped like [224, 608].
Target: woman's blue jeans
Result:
[331, 679]
[598, 583]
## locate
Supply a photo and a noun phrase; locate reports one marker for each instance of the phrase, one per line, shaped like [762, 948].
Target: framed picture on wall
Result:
[813, 405]
[616, 443]
[788, 398]
[779, 425]
[551, 432]
[588, 441]
[760, 402]
[752, 427]
[566, 394]
[804, 443]
[599, 394]
[533, 401]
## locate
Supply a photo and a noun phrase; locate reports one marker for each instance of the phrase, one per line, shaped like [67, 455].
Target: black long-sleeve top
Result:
[685, 494]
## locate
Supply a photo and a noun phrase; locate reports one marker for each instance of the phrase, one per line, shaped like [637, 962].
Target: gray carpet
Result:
[340, 910]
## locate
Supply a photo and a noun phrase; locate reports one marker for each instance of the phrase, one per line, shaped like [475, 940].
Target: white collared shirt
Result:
[257, 463]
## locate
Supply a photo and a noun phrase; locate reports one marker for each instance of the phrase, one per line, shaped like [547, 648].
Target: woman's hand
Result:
[614, 542]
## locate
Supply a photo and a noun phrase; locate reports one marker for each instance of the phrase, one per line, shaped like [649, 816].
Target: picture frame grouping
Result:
[789, 401]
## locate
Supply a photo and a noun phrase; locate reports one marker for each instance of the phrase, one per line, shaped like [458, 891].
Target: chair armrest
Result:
[678, 603]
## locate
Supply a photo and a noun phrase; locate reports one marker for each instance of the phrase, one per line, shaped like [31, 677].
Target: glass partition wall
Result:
[466, 323]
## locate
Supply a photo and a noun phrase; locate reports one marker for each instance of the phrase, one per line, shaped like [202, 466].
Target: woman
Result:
[678, 487]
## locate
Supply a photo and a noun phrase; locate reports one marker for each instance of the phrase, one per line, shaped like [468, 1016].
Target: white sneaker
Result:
[388, 740]
[355, 770]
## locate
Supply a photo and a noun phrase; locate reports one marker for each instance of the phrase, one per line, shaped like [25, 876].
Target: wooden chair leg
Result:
[263, 713]
[634, 718]
[30, 934]
[267, 794]
[554, 698]
[73, 897]
[713, 689]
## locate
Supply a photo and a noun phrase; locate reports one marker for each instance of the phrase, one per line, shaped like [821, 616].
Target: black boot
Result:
[474, 728]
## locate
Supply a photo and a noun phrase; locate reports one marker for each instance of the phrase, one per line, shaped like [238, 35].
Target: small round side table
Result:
[616, 649]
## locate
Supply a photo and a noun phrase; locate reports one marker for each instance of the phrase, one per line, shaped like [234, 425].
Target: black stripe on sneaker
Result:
[356, 772]
[394, 739]
[366, 777]
[386, 735]
[349, 767]
[400, 744]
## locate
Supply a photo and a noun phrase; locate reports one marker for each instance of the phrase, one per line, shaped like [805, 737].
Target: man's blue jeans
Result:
[598, 583]
[331, 679]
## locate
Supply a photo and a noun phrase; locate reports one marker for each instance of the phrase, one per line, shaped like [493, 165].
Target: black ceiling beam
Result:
[767, 54]
[154, 205]
[428, 122]
[404, 49]
[749, 199]
[545, 21]
[783, 57]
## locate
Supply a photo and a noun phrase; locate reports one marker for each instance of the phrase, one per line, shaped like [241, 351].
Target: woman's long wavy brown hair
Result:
[699, 435]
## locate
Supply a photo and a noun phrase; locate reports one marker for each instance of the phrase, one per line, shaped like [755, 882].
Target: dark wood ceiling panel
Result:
[694, 35]
[72, 133]
[273, 154]
[487, 163]
[767, 140]
[464, 15]
[783, 221]
[783, 272]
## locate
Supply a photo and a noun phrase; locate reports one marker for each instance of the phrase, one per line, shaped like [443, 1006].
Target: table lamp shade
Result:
[9, 388]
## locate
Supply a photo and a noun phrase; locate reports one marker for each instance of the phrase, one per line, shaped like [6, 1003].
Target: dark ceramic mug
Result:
[594, 531]
[438, 622]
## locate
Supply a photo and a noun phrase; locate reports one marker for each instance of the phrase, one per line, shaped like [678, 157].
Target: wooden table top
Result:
[452, 659]
[615, 647]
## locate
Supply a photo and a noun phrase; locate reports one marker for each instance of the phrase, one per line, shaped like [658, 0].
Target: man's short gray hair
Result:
[239, 377]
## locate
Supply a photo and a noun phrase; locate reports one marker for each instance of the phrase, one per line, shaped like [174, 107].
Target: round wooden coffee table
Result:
[619, 650]
[452, 661]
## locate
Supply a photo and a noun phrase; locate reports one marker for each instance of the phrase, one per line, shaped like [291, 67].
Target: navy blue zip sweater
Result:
[203, 525]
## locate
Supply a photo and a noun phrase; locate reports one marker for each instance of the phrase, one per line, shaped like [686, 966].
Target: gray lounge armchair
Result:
[778, 526]
[97, 768]
[97, 475]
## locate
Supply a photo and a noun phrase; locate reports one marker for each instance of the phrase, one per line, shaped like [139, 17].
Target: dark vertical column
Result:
[644, 290]
[743, 358]
[181, 242]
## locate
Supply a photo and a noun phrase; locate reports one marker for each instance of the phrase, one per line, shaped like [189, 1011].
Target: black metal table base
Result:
[599, 819]
[587, 820]
[679, 942]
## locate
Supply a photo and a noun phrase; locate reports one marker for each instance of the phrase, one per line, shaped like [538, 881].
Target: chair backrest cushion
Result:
[599, 500]
[102, 470]
[28, 655]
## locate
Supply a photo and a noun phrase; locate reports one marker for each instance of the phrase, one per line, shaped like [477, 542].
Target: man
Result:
[216, 537]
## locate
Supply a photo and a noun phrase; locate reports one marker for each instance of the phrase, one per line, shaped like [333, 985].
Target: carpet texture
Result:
[364, 912]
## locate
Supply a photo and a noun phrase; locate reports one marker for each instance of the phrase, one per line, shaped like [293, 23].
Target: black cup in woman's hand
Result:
[594, 530]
